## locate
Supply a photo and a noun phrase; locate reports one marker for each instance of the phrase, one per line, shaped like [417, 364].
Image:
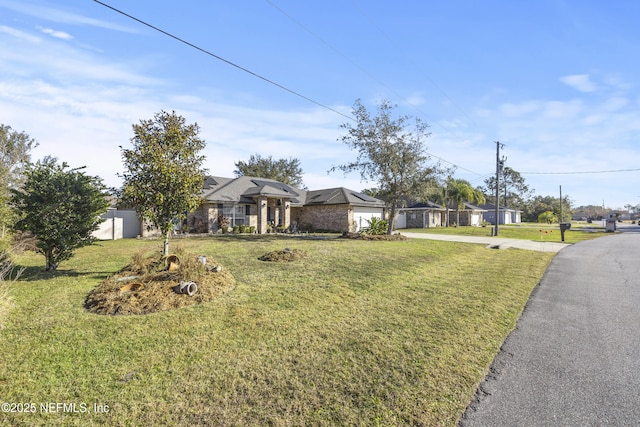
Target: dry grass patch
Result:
[5, 302]
[285, 255]
[151, 283]
[363, 236]
[8, 272]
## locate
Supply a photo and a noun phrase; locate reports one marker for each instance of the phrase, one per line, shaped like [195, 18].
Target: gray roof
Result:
[469, 206]
[426, 205]
[492, 207]
[244, 189]
[341, 196]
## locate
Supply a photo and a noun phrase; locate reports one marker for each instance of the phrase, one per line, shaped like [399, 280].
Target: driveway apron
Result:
[574, 357]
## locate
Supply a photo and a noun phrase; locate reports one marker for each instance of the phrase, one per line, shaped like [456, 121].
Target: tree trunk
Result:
[392, 219]
[51, 266]
[165, 247]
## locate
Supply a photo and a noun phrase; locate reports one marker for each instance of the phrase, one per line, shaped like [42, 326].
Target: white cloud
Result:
[580, 82]
[615, 104]
[57, 34]
[58, 15]
[19, 34]
[564, 110]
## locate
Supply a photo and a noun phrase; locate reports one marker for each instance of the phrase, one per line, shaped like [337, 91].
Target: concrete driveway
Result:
[497, 242]
[574, 357]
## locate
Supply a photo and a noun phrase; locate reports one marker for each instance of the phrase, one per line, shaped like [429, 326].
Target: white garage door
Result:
[361, 216]
[401, 220]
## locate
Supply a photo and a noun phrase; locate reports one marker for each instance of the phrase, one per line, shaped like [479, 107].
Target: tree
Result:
[60, 207]
[547, 217]
[163, 178]
[540, 204]
[390, 153]
[513, 189]
[461, 191]
[14, 157]
[287, 171]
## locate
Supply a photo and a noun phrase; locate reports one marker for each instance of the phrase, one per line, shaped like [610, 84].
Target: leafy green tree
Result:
[164, 178]
[514, 191]
[287, 171]
[15, 150]
[390, 153]
[540, 204]
[60, 207]
[547, 217]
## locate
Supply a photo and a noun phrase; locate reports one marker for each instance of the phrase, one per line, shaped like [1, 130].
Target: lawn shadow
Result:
[271, 237]
[35, 273]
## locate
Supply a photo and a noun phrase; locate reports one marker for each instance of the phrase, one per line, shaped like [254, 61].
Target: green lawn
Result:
[526, 231]
[358, 333]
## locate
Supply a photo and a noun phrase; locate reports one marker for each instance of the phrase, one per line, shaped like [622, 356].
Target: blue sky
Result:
[557, 82]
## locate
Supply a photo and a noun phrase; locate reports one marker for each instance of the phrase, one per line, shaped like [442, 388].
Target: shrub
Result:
[548, 217]
[376, 227]
[223, 223]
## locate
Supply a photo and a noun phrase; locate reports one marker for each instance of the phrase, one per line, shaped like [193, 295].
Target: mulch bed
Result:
[361, 236]
[142, 289]
[285, 255]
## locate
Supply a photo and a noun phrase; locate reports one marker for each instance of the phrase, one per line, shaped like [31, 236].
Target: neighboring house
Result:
[118, 224]
[422, 215]
[471, 215]
[506, 215]
[265, 203]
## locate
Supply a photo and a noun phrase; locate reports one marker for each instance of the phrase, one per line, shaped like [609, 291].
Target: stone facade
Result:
[421, 218]
[470, 218]
[203, 220]
[266, 210]
[328, 217]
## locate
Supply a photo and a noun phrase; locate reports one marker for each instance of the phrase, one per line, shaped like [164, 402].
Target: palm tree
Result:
[441, 196]
[461, 191]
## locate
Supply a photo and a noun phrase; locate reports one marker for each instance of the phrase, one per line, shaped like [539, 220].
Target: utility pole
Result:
[561, 204]
[499, 166]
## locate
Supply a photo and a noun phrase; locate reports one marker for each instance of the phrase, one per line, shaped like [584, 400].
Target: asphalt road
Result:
[574, 357]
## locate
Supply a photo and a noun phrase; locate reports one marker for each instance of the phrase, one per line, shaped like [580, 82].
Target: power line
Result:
[207, 52]
[223, 59]
[362, 69]
[579, 172]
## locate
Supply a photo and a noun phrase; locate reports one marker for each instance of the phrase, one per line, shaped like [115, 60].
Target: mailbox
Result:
[564, 226]
[611, 226]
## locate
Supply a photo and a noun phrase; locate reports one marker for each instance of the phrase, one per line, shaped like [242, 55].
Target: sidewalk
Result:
[494, 242]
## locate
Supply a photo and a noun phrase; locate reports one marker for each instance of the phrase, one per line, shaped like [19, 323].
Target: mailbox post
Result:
[564, 226]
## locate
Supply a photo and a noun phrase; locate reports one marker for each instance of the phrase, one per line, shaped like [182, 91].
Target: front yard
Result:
[526, 231]
[355, 333]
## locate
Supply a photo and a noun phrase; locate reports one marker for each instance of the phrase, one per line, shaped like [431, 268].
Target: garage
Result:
[362, 215]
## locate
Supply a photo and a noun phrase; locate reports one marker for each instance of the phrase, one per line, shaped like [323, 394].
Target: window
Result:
[236, 214]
